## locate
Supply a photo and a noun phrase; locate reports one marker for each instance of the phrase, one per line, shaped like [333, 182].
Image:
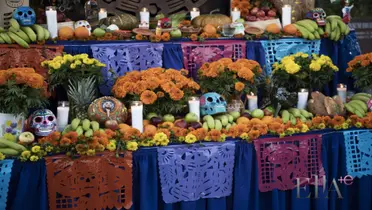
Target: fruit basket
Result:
[187, 31]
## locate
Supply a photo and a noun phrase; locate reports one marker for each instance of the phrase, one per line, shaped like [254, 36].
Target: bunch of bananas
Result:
[23, 35]
[293, 114]
[358, 104]
[336, 28]
[309, 29]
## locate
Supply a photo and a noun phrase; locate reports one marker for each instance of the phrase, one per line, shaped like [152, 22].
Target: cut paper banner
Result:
[99, 182]
[284, 162]
[358, 148]
[5, 174]
[188, 173]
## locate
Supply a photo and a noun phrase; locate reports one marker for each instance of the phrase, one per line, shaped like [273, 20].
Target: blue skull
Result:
[212, 103]
[25, 16]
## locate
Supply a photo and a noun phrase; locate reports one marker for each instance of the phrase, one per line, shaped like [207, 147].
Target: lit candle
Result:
[194, 106]
[51, 16]
[144, 18]
[235, 14]
[137, 115]
[62, 114]
[286, 15]
[102, 13]
[303, 95]
[194, 13]
[252, 102]
[342, 92]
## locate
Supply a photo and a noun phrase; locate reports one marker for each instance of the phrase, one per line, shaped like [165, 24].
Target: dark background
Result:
[361, 13]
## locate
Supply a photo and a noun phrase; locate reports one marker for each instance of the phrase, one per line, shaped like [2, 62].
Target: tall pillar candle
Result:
[195, 12]
[51, 16]
[342, 92]
[252, 102]
[286, 15]
[62, 114]
[137, 115]
[235, 14]
[102, 13]
[144, 18]
[303, 96]
[194, 106]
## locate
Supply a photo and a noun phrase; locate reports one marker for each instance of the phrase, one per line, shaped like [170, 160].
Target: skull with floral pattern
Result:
[318, 15]
[212, 103]
[25, 16]
[43, 122]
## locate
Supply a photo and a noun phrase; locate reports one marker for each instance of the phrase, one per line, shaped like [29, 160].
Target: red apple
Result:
[271, 13]
[181, 123]
[265, 8]
[270, 18]
[112, 124]
[260, 13]
[251, 18]
[254, 10]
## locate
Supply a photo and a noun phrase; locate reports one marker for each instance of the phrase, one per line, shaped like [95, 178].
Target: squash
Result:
[216, 20]
[123, 21]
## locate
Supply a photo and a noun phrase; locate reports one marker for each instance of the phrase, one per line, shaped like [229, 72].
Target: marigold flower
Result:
[148, 97]
[253, 134]
[190, 138]
[176, 94]
[91, 152]
[65, 141]
[239, 86]
[246, 73]
[34, 158]
[132, 146]
[165, 37]
[160, 94]
[194, 37]
[72, 135]
[139, 37]
[337, 120]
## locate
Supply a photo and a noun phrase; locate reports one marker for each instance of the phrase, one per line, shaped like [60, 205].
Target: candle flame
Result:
[144, 9]
[341, 85]
[236, 9]
[286, 6]
[102, 10]
[195, 9]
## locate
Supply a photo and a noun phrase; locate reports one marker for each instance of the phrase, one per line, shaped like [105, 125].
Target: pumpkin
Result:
[216, 20]
[210, 29]
[123, 21]
[273, 28]
[290, 29]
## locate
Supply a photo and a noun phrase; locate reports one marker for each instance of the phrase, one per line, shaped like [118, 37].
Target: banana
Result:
[357, 107]
[18, 40]
[360, 97]
[361, 104]
[2, 29]
[363, 94]
[312, 23]
[30, 33]
[218, 125]
[333, 17]
[328, 28]
[224, 120]
[320, 31]
[311, 36]
[304, 113]
[23, 35]
[39, 31]
[304, 32]
[338, 34]
[210, 121]
[295, 112]
[205, 126]
[306, 25]
[303, 118]
[317, 35]
[350, 108]
[333, 35]
[12, 29]
[231, 118]
[46, 33]
[6, 38]
[86, 124]
[333, 24]
[359, 114]
[341, 25]
[293, 120]
[285, 116]
[75, 123]
[14, 23]
[228, 126]
[347, 30]
[2, 40]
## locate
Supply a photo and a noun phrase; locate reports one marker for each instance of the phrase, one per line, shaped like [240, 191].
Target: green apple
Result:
[151, 115]
[168, 118]
[258, 113]
[176, 33]
[240, 20]
[235, 115]
[26, 137]
[191, 117]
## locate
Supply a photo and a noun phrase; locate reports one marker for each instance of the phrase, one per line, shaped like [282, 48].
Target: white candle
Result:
[235, 14]
[286, 15]
[194, 13]
[303, 95]
[137, 115]
[51, 16]
[342, 92]
[102, 13]
[144, 18]
[194, 106]
[62, 115]
[252, 102]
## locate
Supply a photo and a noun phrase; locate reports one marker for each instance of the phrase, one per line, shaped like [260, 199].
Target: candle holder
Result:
[102, 13]
[144, 18]
[235, 14]
[195, 12]
[286, 15]
[342, 92]
[194, 106]
[63, 111]
[137, 115]
[252, 101]
[51, 17]
[303, 96]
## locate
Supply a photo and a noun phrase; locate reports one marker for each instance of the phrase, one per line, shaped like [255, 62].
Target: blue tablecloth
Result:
[28, 185]
[341, 53]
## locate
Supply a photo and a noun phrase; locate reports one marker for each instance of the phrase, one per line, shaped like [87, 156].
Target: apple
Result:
[235, 115]
[151, 115]
[251, 18]
[191, 117]
[181, 123]
[271, 13]
[195, 125]
[168, 118]
[240, 20]
[112, 124]
[156, 121]
[26, 137]
[254, 10]
[258, 113]
[176, 33]
[265, 8]
[260, 13]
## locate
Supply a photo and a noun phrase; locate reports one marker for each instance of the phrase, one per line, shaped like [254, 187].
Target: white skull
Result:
[43, 122]
[83, 23]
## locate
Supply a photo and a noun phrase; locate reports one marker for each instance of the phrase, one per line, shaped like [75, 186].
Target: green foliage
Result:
[363, 77]
[19, 99]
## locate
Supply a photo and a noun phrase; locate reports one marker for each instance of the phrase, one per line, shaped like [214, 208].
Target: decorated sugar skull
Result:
[43, 122]
[83, 23]
[318, 15]
[25, 16]
[212, 103]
